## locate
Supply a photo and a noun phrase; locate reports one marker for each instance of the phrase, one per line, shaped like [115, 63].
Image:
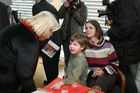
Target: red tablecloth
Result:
[69, 88]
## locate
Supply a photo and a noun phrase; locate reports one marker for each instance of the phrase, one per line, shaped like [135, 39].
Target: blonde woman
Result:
[19, 50]
[50, 65]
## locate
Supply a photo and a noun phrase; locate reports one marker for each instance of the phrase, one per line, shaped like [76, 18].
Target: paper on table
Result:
[39, 91]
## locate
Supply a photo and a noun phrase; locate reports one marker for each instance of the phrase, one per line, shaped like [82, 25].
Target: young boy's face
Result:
[75, 48]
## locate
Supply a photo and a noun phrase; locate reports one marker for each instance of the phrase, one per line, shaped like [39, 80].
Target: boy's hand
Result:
[57, 85]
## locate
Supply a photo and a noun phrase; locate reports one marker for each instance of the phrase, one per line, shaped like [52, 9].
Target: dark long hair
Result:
[99, 31]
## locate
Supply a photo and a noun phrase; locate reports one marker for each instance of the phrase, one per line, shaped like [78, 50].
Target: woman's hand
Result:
[57, 85]
[97, 72]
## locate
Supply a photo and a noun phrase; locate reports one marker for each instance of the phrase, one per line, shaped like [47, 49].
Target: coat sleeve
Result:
[80, 15]
[62, 12]
[124, 26]
[35, 10]
[26, 64]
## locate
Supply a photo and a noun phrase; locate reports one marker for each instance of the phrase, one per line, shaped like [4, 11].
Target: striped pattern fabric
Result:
[102, 55]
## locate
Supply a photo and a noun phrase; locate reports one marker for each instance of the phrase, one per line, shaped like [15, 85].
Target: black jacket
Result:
[4, 17]
[18, 58]
[124, 33]
[43, 5]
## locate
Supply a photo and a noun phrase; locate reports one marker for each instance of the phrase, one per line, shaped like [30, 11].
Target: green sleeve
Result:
[78, 67]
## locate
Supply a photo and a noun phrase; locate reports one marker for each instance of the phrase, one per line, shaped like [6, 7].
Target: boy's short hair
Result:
[81, 39]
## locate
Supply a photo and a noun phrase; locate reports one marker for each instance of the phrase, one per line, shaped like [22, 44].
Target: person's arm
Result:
[124, 27]
[63, 9]
[26, 62]
[57, 85]
[77, 70]
[113, 62]
[80, 15]
[35, 10]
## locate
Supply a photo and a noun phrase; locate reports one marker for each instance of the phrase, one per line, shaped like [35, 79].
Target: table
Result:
[69, 88]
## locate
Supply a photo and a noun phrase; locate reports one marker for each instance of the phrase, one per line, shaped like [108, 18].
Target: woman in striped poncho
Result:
[101, 57]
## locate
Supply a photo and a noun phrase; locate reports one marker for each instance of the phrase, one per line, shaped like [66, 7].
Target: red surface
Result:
[70, 88]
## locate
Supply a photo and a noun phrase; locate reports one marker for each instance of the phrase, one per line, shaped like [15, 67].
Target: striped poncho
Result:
[102, 55]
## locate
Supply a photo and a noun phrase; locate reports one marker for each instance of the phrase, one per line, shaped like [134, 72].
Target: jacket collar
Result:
[29, 27]
[97, 45]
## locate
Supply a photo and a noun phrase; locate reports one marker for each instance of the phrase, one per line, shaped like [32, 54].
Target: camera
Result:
[109, 9]
[73, 5]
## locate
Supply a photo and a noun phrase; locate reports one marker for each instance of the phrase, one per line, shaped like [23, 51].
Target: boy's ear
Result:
[82, 48]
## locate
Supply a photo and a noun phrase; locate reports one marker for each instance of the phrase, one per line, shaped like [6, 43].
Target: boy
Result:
[77, 67]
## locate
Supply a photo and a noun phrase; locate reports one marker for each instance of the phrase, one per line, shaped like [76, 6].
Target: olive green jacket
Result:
[78, 19]
[77, 69]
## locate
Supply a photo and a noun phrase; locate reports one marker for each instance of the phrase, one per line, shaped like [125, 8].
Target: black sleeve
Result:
[35, 10]
[27, 54]
[62, 11]
[124, 26]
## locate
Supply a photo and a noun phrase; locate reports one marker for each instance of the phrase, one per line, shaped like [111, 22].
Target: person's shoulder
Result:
[83, 6]
[44, 2]
[82, 57]
[83, 60]
[19, 24]
[2, 4]
[108, 43]
[82, 3]
[13, 26]
[35, 6]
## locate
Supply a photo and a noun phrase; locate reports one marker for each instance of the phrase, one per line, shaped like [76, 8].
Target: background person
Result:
[124, 35]
[4, 16]
[101, 58]
[19, 51]
[50, 64]
[74, 13]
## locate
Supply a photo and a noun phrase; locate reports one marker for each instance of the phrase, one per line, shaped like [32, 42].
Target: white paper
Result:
[39, 91]
[51, 49]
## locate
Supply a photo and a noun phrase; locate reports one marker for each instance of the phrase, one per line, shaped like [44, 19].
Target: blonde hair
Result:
[42, 23]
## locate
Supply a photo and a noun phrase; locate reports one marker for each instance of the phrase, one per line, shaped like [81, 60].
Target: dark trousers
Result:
[106, 82]
[130, 81]
[66, 52]
[51, 65]
[8, 90]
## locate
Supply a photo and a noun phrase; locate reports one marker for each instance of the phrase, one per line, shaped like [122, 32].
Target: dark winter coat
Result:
[74, 21]
[4, 17]
[18, 58]
[124, 33]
